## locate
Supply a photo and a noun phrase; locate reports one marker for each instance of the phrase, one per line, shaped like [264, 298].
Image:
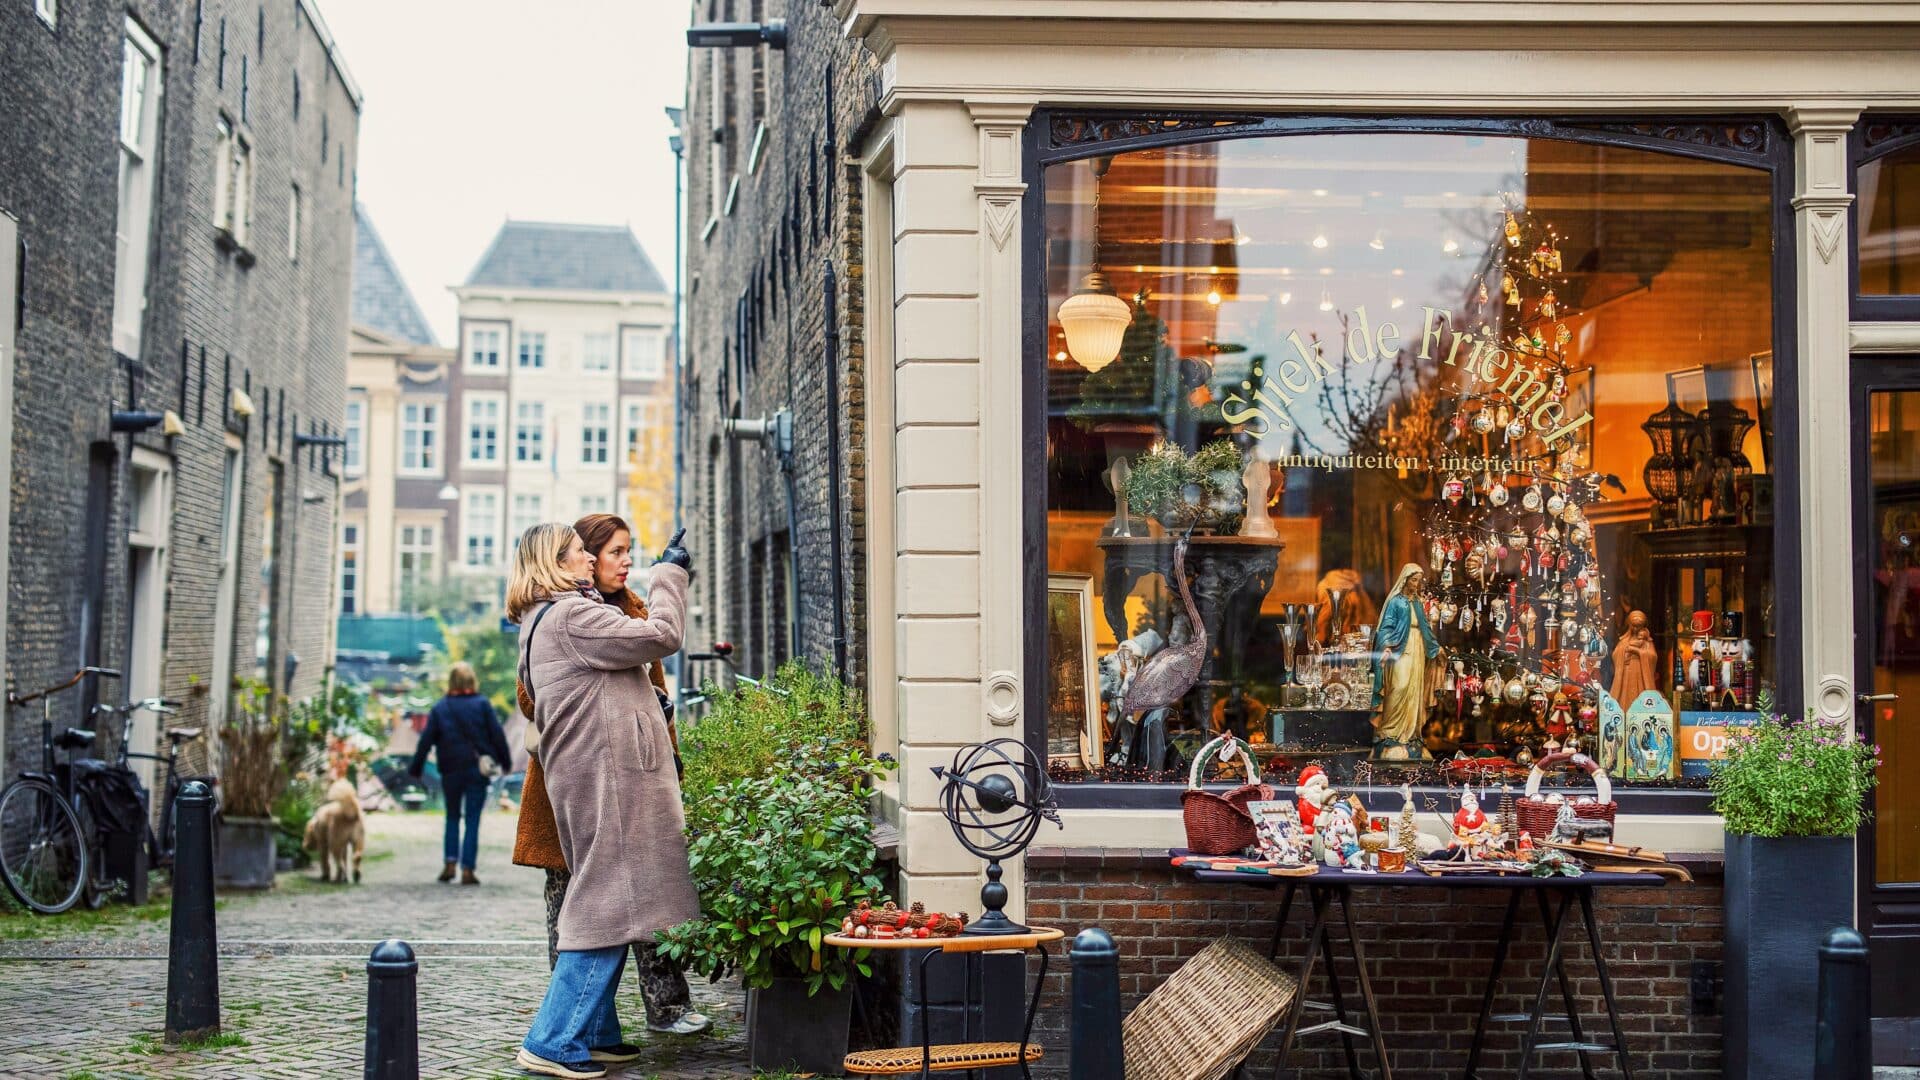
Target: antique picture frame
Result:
[1278, 831]
[1073, 692]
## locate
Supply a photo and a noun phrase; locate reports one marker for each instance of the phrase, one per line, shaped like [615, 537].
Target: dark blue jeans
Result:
[465, 796]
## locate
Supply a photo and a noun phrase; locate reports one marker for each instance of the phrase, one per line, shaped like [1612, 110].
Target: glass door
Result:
[1886, 431]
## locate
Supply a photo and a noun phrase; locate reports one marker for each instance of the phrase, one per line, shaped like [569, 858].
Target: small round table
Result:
[927, 1058]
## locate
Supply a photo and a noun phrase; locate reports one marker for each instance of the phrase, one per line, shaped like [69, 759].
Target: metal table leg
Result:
[1280, 924]
[1316, 929]
[1339, 1023]
[1554, 925]
[1366, 989]
[1500, 947]
[1606, 983]
[1580, 1043]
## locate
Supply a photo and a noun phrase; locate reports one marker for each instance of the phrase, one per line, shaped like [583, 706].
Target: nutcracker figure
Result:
[1700, 666]
[1733, 654]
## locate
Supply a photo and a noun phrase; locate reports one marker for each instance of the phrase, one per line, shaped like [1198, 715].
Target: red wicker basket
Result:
[1218, 823]
[1536, 815]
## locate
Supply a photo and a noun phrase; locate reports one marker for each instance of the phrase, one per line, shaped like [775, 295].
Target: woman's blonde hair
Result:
[536, 568]
[461, 679]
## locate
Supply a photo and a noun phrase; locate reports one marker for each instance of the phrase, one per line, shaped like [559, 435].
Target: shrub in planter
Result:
[1179, 489]
[1792, 795]
[781, 847]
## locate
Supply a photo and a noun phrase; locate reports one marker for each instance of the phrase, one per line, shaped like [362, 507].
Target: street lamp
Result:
[772, 33]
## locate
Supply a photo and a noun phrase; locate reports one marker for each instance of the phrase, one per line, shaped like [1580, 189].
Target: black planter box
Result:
[787, 1030]
[1782, 896]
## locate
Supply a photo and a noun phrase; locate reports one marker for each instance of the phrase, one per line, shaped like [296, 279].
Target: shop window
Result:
[1465, 443]
[1887, 216]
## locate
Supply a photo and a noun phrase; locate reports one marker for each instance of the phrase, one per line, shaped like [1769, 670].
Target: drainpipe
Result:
[837, 565]
[776, 432]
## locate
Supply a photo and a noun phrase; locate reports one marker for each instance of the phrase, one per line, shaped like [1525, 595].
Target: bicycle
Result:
[723, 653]
[46, 824]
[160, 845]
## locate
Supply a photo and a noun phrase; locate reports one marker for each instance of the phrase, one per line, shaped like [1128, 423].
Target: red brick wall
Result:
[1428, 953]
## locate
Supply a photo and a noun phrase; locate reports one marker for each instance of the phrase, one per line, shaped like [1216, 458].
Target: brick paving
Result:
[293, 979]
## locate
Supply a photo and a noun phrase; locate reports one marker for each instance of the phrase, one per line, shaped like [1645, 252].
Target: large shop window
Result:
[1463, 443]
[1888, 218]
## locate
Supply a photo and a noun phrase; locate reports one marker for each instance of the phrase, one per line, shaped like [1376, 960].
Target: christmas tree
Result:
[1514, 590]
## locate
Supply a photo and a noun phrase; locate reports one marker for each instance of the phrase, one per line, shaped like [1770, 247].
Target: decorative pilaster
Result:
[1820, 204]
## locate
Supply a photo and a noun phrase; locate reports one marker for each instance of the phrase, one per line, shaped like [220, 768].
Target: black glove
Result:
[676, 554]
[666, 704]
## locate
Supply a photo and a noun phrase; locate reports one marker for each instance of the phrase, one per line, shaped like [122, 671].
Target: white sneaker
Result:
[689, 1023]
[534, 1063]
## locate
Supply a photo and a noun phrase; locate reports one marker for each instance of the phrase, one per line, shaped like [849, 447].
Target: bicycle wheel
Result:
[43, 852]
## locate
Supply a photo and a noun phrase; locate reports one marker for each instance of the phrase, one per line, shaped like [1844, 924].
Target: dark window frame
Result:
[1874, 137]
[1054, 136]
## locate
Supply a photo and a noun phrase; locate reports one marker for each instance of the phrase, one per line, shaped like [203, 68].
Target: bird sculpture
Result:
[1168, 674]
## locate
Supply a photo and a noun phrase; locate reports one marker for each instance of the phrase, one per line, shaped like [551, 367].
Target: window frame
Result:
[656, 368]
[353, 453]
[469, 347]
[514, 517]
[536, 444]
[233, 181]
[425, 543]
[432, 448]
[596, 434]
[48, 12]
[470, 533]
[593, 362]
[1055, 136]
[469, 443]
[1875, 136]
[530, 345]
[351, 552]
[138, 153]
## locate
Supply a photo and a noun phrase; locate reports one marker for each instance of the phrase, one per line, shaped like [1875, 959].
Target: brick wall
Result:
[1428, 954]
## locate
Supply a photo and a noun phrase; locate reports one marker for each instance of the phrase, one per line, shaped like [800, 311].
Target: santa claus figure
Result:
[1471, 827]
[1314, 792]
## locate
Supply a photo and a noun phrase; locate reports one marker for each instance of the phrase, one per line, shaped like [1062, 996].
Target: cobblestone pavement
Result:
[293, 979]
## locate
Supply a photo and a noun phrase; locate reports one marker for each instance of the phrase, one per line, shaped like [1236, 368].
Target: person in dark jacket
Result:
[461, 729]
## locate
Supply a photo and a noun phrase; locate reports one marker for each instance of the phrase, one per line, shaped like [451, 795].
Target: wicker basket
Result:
[1219, 824]
[1207, 1016]
[1536, 815]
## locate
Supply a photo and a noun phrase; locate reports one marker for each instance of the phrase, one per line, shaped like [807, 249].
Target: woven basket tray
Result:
[1208, 1016]
[1536, 815]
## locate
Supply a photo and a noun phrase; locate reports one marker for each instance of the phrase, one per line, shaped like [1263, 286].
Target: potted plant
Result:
[1792, 796]
[781, 848]
[1201, 489]
[250, 781]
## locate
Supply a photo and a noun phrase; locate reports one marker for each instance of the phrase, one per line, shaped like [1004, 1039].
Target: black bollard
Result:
[1095, 1023]
[1843, 1025]
[393, 1023]
[193, 953]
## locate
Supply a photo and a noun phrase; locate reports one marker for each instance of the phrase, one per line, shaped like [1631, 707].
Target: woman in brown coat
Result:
[663, 987]
[608, 769]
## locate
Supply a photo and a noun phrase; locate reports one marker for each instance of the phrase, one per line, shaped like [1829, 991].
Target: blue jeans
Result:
[464, 796]
[577, 1013]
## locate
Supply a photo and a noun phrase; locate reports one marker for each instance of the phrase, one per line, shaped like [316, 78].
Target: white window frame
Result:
[596, 433]
[638, 414]
[353, 454]
[417, 539]
[529, 432]
[529, 508]
[293, 223]
[530, 352]
[596, 352]
[232, 180]
[596, 504]
[431, 428]
[142, 78]
[480, 533]
[471, 407]
[49, 12]
[496, 345]
[643, 353]
[352, 552]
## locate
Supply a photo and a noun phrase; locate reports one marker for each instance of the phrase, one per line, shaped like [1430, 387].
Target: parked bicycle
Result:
[47, 828]
[160, 844]
[722, 653]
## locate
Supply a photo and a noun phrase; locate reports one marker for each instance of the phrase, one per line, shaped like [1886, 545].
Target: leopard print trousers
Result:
[662, 985]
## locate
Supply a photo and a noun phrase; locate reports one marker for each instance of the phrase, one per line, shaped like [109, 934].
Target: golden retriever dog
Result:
[334, 828]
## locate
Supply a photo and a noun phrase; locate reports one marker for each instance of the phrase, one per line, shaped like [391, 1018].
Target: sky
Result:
[481, 110]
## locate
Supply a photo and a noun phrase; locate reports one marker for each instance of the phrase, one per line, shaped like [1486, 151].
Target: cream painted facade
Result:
[561, 430]
[385, 374]
[945, 174]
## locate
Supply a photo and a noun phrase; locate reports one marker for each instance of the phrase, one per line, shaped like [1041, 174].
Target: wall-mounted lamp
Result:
[171, 424]
[772, 33]
[242, 402]
[449, 493]
[130, 421]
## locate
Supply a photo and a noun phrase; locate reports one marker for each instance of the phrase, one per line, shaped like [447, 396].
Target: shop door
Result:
[1886, 457]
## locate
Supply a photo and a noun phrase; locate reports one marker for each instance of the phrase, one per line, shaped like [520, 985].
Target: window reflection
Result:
[1889, 224]
[1435, 416]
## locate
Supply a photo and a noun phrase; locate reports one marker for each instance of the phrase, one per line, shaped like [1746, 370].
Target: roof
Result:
[381, 299]
[588, 258]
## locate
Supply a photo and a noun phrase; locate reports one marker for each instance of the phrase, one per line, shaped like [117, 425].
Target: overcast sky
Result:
[480, 110]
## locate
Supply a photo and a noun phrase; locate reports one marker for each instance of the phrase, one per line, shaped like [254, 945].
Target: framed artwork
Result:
[1276, 825]
[1688, 388]
[1073, 693]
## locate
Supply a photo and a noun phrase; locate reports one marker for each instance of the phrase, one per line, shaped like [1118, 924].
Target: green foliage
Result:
[293, 808]
[746, 733]
[494, 654]
[779, 837]
[1786, 779]
[1178, 488]
[341, 711]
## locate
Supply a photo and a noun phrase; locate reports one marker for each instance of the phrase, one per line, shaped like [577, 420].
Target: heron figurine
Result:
[1168, 674]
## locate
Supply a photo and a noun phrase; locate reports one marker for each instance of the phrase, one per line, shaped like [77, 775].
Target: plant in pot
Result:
[1792, 796]
[1178, 489]
[779, 853]
[250, 780]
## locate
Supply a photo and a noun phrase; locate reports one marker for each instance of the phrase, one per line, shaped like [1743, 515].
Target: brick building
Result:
[774, 326]
[1277, 202]
[182, 181]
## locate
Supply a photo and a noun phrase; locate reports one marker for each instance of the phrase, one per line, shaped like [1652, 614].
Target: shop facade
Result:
[1501, 379]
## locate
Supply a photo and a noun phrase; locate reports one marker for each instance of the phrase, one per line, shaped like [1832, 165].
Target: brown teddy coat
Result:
[536, 842]
[607, 763]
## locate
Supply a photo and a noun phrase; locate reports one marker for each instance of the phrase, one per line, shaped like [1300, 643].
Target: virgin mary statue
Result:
[1403, 646]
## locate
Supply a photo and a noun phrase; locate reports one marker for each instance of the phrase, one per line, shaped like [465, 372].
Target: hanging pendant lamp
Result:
[1094, 319]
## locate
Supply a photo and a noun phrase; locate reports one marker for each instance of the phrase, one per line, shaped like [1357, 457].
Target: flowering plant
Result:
[1794, 779]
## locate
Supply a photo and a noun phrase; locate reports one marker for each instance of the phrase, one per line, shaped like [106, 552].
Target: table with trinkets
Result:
[1556, 897]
